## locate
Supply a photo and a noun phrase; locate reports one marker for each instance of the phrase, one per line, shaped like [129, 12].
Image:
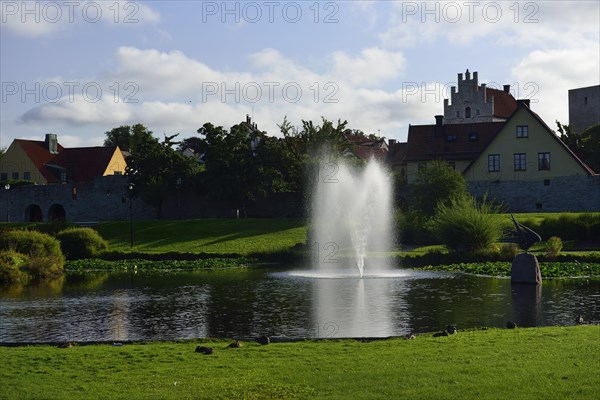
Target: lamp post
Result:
[130, 189]
[7, 188]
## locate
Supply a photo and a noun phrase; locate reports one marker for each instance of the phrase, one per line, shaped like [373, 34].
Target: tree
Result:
[585, 145]
[437, 184]
[2, 151]
[153, 167]
[232, 168]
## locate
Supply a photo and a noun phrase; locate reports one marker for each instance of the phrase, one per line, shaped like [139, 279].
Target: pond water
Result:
[277, 302]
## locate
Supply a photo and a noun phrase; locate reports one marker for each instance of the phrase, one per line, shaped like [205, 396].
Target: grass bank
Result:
[533, 363]
[211, 236]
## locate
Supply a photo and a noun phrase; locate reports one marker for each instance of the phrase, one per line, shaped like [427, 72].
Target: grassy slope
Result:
[242, 236]
[540, 363]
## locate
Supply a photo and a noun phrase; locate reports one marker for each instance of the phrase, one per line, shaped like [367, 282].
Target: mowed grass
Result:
[218, 236]
[533, 363]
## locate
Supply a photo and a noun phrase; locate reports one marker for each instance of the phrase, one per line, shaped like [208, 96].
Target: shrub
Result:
[79, 243]
[437, 184]
[466, 226]
[51, 228]
[553, 247]
[45, 256]
[11, 264]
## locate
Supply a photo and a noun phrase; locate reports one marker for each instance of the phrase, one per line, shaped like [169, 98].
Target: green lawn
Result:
[534, 363]
[241, 236]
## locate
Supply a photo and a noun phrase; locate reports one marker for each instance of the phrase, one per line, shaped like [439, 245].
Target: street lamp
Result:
[130, 189]
[7, 188]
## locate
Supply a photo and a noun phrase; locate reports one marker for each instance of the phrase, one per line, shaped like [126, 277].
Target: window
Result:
[477, 111]
[585, 101]
[27, 175]
[3, 176]
[538, 206]
[468, 112]
[458, 114]
[63, 177]
[473, 136]
[520, 162]
[493, 162]
[543, 161]
[522, 131]
[15, 175]
[451, 138]
[546, 182]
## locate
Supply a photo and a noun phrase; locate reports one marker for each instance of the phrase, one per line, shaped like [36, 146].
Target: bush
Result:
[465, 226]
[51, 228]
[11, 264]
[45, 256]
[77, 243]
[553, 247]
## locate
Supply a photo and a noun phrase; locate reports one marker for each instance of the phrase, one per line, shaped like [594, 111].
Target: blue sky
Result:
[80, 68]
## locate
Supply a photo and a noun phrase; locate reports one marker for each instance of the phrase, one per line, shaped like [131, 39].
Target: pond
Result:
[246, 303]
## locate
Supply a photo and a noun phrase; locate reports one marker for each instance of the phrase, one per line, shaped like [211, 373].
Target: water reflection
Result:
[244, 304]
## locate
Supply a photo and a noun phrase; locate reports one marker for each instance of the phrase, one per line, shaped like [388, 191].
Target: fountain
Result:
[351, 219]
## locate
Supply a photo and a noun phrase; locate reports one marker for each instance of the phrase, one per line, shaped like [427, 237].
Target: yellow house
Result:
[47, 162]
[525, 149]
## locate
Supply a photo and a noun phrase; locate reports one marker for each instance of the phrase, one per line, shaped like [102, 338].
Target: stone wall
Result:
[105, 199]
[566, 193]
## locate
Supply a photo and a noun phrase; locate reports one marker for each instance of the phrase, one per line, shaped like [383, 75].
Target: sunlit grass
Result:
[534, 363]
[218, 236]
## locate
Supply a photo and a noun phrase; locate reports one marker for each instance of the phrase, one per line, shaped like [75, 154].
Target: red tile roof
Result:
[396, 154]
[504, 103]
[82, 164]
[38, 153]
[467, 141]
[365, 148]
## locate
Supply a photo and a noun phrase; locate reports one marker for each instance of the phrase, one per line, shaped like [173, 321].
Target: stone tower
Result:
[477, 103]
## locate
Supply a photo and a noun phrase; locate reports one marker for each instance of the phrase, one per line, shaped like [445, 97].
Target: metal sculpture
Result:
[522, 235]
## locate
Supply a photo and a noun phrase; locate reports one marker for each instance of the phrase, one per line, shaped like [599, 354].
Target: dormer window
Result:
[473, 137]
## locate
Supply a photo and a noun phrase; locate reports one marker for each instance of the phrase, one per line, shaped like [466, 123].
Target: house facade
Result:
[47, 162]
[505, 151]
[72, 184]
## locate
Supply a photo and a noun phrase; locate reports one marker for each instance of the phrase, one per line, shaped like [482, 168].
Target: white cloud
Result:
[554, 72]
[373, 66]
[36, 19]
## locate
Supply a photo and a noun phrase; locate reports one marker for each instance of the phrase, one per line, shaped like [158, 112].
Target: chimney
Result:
[506, 88]
[51, 143]
[392, 142]
[439, 121]
[248, 118]
[524, 102]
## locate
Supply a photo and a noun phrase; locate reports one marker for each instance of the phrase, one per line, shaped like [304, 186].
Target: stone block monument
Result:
[525, 267]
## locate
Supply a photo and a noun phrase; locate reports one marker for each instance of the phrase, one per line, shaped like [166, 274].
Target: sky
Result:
[81, 68]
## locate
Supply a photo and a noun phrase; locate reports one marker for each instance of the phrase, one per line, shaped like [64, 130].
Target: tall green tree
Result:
[437, 184]
[154, 167]
[585, 145]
